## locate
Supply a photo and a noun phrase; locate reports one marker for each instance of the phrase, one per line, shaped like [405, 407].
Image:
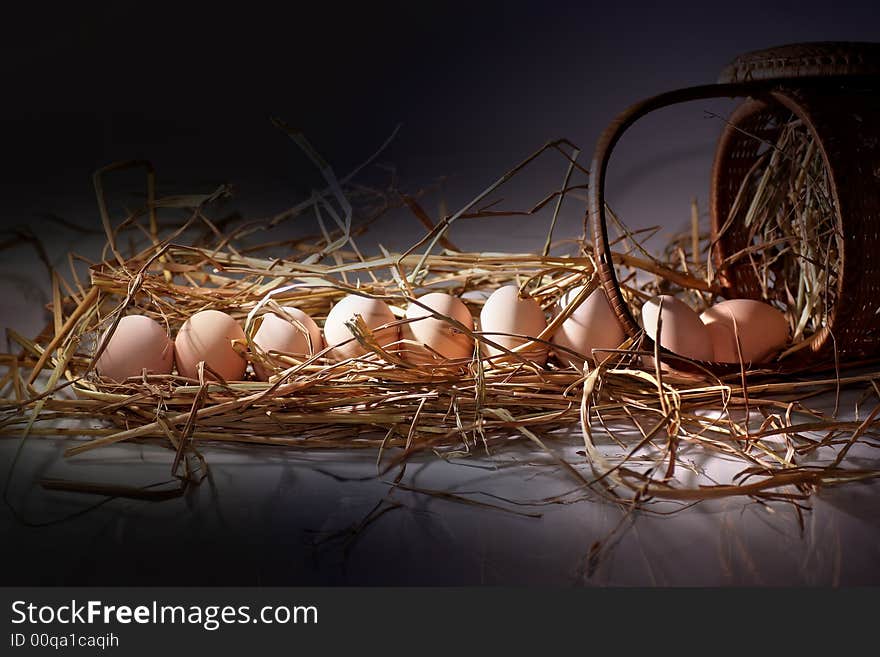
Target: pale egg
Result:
[681, 332]
[592, 325]
[762, 330]
[506, 312]
[294, 335]
[374, 312]
[432, 339]
[138, 343]
[215, 338]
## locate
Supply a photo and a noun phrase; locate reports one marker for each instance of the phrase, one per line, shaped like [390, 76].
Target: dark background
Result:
[475, 87]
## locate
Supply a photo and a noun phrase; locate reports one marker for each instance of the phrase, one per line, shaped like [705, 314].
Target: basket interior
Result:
[776, 228]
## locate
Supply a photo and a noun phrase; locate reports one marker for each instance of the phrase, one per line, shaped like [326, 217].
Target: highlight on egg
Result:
[215, 338]
[592, 325]
[506, 312]
[138, 344]
[681, 331]
[429, 339]
[294, 334]
[374, 312]
[760, 329]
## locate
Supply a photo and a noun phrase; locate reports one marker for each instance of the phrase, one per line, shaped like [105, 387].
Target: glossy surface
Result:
[138, 343]
[374, 312]
[760, 329]
[681, 330]
[302, 504]
[209, 336]
[592, 325]
[445, 341]
[296, 335]
[506, 312]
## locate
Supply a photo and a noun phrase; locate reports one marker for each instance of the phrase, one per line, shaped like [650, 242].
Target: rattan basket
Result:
[834, 89]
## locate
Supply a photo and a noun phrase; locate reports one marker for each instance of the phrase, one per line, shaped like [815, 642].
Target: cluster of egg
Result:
[211, 337]
[732, 331]
[438, 328]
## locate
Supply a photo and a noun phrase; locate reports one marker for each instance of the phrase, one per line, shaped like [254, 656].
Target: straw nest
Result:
[794, 246]
[640, 429]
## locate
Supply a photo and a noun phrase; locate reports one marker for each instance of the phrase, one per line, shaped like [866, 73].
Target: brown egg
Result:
[682, 332]
[438, 334]
[138, 343]
[506, 312]
[762, 330]
[374, 312]
[209, 336]
[296, 335]
[592, 325]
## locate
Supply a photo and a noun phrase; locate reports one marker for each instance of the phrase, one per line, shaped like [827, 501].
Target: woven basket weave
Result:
[834, 89]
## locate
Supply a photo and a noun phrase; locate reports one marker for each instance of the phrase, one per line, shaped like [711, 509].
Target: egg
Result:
[374, 312]
[682, 332]
[505, 311]
[762, 330]
[138, 343]
[438, 334]
[209, 336]
[295, 335]
[592, 325]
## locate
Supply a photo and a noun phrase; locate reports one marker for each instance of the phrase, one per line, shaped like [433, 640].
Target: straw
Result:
[642, 422]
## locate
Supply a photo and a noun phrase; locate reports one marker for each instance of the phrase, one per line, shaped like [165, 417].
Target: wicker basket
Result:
[834, 89]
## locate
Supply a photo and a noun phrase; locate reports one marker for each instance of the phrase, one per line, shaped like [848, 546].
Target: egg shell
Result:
[592, 325]
[441, 336]
[374, 312]
[762, 330]
[506, 312]
[297, 335]
[138, 343]
[682, 332]
[208, 336]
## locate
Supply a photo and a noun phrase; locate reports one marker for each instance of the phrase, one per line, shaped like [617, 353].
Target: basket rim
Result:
[595, 219]
[803, 60]
[782, 99]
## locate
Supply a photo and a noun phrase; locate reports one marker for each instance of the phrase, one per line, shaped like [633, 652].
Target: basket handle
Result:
[596, 216]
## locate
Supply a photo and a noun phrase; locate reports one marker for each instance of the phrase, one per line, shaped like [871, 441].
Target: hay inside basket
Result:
[641, 429]
[795, 246]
